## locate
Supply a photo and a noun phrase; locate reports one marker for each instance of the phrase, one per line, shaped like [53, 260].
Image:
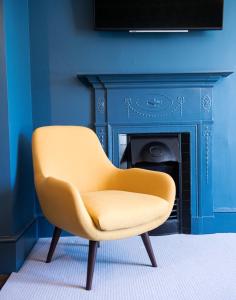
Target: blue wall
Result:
[19, 110]
[5, 191]
[17, 198]
[16, 122]
[71, 46]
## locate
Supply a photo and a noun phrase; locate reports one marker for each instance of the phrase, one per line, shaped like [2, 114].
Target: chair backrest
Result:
[71, 153]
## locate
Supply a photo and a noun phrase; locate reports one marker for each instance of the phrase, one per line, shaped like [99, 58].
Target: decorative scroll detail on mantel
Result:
[207, 135]
[206, 103]
[153, 106]
[101, 105]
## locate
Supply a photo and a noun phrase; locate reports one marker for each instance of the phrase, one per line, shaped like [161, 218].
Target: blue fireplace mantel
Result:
[207, 79]
[157, 103]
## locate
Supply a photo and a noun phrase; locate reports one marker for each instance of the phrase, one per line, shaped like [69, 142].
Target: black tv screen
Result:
[158, 14]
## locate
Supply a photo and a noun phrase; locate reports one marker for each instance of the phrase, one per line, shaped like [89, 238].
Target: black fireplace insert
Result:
[163, 152]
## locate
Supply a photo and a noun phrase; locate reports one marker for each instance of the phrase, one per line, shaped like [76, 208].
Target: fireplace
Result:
[162, 122]
[165, 152]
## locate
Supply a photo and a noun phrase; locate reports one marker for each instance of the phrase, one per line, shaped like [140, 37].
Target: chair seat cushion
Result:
[113, 210]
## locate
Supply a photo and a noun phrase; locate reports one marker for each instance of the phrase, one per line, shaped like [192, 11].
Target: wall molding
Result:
[225, 210]
[18, 235]
[14, 249]
[221, 225]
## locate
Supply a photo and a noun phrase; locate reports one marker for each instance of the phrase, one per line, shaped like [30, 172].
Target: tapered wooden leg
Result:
[91, 263]
[148, 246]
[55, 238]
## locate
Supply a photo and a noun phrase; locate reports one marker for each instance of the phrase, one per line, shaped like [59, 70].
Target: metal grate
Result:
[175, 211]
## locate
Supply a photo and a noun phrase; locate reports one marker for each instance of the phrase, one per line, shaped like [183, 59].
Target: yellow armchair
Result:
[82, 192]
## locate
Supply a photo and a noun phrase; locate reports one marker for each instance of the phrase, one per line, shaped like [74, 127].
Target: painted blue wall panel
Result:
[19, 110]
[74, 47]
[17, 202]
[40, 63]
[5, 190]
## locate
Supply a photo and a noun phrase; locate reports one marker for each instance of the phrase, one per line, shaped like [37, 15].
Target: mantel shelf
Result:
[201, 79]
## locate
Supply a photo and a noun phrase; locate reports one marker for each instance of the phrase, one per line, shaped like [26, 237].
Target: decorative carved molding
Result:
[101, 105]
[153, 106]
[181, 101]
[206, 103]
[101, 133]
[207, 135]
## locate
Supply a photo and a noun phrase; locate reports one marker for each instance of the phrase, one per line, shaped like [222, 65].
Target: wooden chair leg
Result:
[148, 246]
[55, 238]
[93, 245]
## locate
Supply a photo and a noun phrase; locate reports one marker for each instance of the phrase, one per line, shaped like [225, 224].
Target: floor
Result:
[3, 279]
[190, 267]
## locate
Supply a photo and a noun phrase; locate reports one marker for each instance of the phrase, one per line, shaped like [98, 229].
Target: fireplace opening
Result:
[164, 152]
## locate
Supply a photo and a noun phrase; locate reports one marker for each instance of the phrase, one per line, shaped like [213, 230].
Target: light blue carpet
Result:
[190, 268]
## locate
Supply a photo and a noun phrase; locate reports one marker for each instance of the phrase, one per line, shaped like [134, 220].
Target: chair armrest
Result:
[62, 205]
[147, 182]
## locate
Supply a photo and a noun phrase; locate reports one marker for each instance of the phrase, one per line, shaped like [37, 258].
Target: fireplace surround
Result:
[154, 105]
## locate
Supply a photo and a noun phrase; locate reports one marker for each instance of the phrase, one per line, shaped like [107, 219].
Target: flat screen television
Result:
[158, 15]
